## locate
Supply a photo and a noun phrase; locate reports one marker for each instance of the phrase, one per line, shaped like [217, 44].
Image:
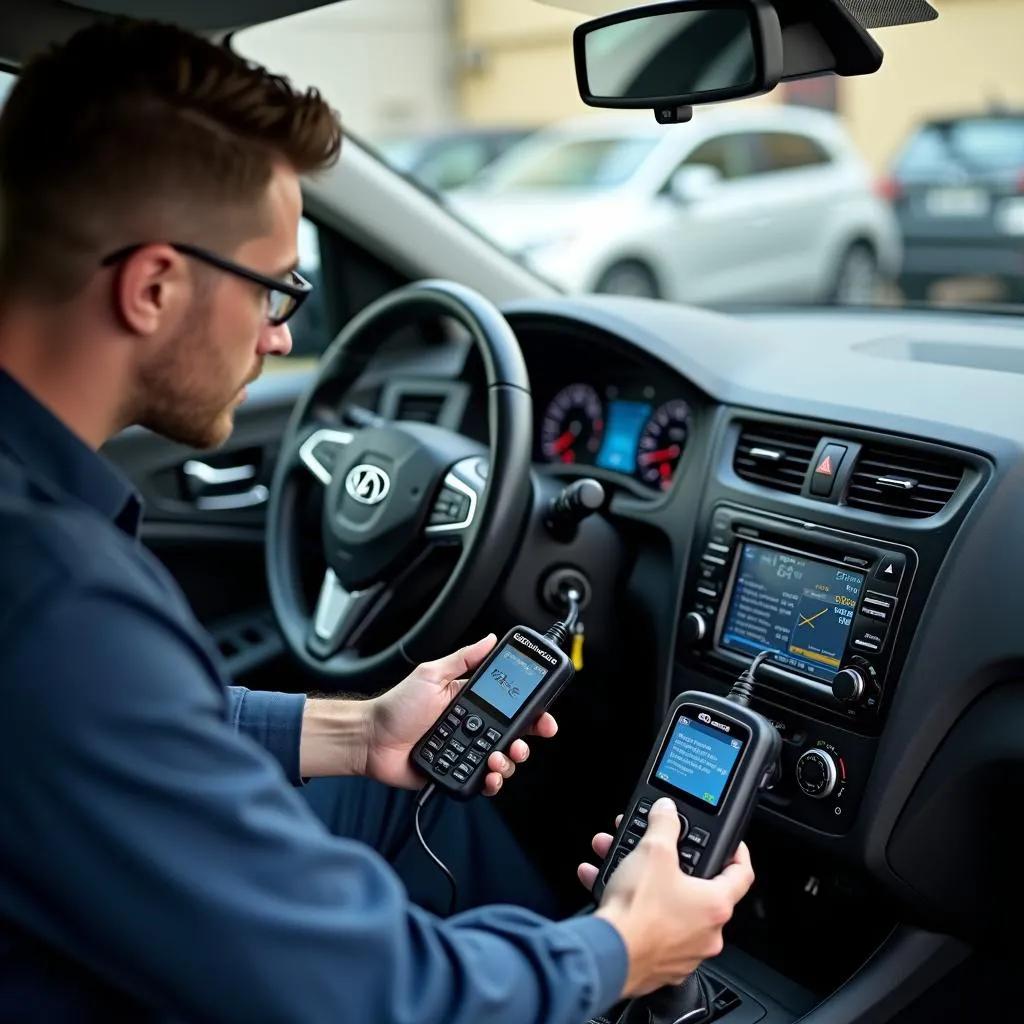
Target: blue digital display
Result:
[508, 681]
[622, 434]
[798, 607]
[698, 760]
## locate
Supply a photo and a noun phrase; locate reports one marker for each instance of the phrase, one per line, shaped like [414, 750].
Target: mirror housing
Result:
[668, 57]
[693, 182]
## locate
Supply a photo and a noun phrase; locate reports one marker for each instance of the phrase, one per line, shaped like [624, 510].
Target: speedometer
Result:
[573, 424]
[662, 443]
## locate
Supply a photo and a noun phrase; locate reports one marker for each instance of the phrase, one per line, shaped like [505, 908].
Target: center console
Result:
[830, 605]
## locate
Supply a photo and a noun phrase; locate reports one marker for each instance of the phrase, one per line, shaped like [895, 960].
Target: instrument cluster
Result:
[625, 428]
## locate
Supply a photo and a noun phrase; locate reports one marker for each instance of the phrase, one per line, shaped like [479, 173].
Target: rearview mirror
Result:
[667, 56]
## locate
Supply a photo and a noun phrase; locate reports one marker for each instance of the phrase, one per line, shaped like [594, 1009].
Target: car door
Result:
[712, 242]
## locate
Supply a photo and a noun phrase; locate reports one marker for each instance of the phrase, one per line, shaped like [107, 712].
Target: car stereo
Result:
[826, 602]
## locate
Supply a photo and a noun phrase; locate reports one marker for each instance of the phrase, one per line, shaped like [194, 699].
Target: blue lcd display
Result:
[697, 761]
[508, 681]
[622, 434]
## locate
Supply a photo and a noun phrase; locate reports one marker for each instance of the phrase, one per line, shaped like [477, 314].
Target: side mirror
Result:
[668, 57]
[693, 182]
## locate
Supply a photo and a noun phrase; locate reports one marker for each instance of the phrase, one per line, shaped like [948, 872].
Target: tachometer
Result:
[662, 442]
[573, 424]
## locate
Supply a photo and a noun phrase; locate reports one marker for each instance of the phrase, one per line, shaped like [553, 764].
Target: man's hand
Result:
[668, 921]
[400, 717]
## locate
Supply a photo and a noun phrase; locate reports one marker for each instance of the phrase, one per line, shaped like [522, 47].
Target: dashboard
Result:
[841, 487]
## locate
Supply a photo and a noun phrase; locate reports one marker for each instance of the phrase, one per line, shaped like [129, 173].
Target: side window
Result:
[787, 151]
[730, 155]
[310, 326]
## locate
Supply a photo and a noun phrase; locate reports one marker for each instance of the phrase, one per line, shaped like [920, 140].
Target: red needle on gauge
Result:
[565, 441]
[661, 455]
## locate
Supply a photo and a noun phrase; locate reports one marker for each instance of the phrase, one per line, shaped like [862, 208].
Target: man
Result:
[155, 861]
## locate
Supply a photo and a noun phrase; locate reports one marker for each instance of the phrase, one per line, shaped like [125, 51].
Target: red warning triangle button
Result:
[825, 466]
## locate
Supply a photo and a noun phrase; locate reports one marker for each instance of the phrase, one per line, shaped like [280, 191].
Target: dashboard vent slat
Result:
[902, 482]
[421, 407]
[774, 456]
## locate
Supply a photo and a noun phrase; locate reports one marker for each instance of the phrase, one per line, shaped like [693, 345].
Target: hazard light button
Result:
[826, 470]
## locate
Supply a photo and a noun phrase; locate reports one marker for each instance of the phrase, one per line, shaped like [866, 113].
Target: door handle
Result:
[240, 499]
[217, 476]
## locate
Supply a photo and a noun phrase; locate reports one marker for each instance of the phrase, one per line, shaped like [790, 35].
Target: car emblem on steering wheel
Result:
[369, 485]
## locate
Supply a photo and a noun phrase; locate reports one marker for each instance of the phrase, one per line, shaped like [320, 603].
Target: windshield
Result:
[900, 188]
[569, 163]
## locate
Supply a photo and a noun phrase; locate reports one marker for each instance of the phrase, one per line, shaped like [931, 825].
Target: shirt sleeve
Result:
[274, 720]
[163, 850]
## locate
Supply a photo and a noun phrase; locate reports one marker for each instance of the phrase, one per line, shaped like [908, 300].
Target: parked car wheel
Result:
[630, 277]
[857, 281]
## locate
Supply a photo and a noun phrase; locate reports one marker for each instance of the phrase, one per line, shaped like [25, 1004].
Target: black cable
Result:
[421, 800]
[743, 689]
[559, 632]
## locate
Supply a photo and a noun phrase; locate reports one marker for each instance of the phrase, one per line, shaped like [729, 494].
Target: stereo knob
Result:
[849, 685]
[816, 773]
[694, 628]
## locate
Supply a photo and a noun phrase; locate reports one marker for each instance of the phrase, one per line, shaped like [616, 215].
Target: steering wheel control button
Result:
[473, 725]
[474, 757]
[443, 766]
[816, 773]
[435, 743]
[459, 711]
[483, 744]
[689, 855]
[493, 735]
[697, 836]
[890, 571]
[452, 720]
[427, 755]
[638, 825]
[826, 470]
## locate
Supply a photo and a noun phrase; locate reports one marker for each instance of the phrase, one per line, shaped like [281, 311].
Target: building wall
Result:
[387, 65]
[517, 68]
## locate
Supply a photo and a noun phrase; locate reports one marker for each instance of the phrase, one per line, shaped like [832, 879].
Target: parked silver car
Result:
[755, 204]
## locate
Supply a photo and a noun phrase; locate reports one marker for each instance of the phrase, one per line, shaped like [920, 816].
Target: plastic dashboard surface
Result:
[951, 379]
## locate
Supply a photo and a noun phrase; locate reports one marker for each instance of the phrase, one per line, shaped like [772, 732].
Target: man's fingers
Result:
[519, 751]
[663, 821]
[738, 875]
[503, 765]
[601, 844]
[462, 662]
[492, 783]
[545, 726]
[587, 874]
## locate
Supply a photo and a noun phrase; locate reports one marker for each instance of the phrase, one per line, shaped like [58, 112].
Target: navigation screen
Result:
[508, 681]
[798, 607]
[697, 760]
[621, 436]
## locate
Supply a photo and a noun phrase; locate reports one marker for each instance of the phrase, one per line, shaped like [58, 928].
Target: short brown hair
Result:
[132, 130]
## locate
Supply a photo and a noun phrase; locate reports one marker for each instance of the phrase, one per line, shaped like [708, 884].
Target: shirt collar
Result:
[60, 461]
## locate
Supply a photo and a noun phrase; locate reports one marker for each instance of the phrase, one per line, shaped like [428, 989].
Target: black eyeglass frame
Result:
[298, 289]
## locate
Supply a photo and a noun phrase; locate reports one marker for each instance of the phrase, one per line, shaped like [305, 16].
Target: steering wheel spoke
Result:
[339, 614]
[454, 512]
[320, 448]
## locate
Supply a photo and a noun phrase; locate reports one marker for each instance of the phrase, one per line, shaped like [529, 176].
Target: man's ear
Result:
[151, 289]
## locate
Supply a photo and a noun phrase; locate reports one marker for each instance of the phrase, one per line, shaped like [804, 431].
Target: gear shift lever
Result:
[692, 1002]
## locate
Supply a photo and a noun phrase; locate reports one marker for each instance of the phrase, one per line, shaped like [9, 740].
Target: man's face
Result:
[193, 384]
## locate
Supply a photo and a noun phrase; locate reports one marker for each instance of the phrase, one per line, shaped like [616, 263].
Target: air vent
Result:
[901, 482]
[424, 408]
[774, 456]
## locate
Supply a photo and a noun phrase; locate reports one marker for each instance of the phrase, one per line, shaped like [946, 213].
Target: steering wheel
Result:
[392, 490]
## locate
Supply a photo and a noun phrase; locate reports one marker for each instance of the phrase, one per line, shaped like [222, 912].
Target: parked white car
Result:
[759, 204]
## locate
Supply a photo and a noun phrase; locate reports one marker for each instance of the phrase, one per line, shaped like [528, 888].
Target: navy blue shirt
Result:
[156, 861]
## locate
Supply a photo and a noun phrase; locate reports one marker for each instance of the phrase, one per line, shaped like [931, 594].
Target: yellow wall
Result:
[518, 69]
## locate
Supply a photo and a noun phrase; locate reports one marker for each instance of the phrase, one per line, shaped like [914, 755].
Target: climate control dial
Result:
[816, 773]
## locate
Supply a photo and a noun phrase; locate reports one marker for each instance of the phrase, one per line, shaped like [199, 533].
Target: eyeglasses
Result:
[283, 297]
